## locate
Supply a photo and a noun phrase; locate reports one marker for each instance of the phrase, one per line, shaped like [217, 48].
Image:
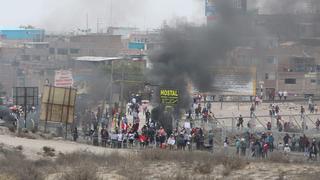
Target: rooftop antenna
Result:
[111, 13]
[87, 23]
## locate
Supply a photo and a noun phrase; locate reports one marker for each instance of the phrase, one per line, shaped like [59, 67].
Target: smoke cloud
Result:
[284, 6]
[188, 52]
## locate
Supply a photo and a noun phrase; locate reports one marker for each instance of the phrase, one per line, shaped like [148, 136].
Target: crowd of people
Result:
[261, 144]
[120, 132]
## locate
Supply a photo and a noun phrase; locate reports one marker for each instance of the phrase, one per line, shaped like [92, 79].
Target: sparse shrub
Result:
[74, 158]
[20, 148]
[48, 151]
[226, 171]
[175, 156]
[15, 165]
[203, 168]
[84, 171]
[278, 157]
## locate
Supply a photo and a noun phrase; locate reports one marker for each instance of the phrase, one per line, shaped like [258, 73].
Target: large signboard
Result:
[210, 10]
[57, 104]
[25, 96]
[136, 45]
[63, 78]
[234, 80]
[169, 97]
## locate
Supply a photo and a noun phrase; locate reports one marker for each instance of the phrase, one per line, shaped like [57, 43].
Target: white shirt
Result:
[225, 144]
[287, 149]
[171, 141]
[119, 137]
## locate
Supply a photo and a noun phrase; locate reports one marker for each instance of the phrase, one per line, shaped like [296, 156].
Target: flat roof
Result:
[18, 29]
[97, 59]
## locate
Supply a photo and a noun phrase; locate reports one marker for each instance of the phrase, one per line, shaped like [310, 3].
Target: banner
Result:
[63, 78]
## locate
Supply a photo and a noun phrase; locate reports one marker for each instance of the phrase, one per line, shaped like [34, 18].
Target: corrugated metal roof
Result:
[97, 59]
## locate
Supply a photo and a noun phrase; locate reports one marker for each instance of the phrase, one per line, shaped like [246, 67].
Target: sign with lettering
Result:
[63, 78]
[169, 97]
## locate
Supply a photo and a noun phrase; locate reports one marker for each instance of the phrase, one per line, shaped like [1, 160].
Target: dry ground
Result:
[33, 159]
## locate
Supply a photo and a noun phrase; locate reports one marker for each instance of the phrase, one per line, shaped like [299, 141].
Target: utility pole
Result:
[87, 23]
[111, 85]
[111, 13]
[122, 87]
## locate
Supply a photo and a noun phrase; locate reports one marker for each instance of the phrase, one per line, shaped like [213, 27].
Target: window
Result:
[52, 50]
[290, 81]
[313, 81]
[62, 51]
[25, 57]
[37, 58]
[271, 59]
[266, 76]
[237, 4]
[74, 51]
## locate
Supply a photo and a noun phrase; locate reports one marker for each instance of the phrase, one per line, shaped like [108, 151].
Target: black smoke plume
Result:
[188, 52]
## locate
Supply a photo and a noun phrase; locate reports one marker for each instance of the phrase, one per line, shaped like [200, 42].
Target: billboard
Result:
[57, 104]
[25, 96]
[136, 45]
[234, 80]
[63, 78]
[210, 10]
[169, 97]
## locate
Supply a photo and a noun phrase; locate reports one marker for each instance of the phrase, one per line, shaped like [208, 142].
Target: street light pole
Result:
[111, 85]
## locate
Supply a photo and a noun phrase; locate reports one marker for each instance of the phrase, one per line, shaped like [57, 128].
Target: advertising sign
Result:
[136, 45]
[57, 104]
[210, 9]
[25, 96]
[63, 78]
[169, 97]
[234, 81]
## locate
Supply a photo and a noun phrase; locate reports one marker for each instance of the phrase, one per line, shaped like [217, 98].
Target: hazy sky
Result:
[68, 15]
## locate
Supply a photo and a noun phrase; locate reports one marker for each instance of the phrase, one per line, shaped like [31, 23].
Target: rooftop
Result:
[96, 59]
[17, 29]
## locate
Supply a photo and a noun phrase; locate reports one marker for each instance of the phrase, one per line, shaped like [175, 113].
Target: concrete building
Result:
[8, 77]
[64, 48]
[30, 34]
[291, 66]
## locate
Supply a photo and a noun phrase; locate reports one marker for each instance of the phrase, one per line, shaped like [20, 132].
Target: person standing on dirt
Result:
[286, 150]
[237, 146]
[265, 149]
[294, 142]
[243, 146]
[313, 151]
[269, 126]
[286, 139]
[226, 145]
[104, 136]
[148, 116]
[162, 137]
[252, 109]
[270, 140]
[280, 94]
[285, 95]
[75, 134]
[310, 103]
[318, 124]
[240, 122]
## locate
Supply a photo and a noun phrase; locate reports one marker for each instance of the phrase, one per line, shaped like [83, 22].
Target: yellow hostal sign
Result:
[169, 97]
